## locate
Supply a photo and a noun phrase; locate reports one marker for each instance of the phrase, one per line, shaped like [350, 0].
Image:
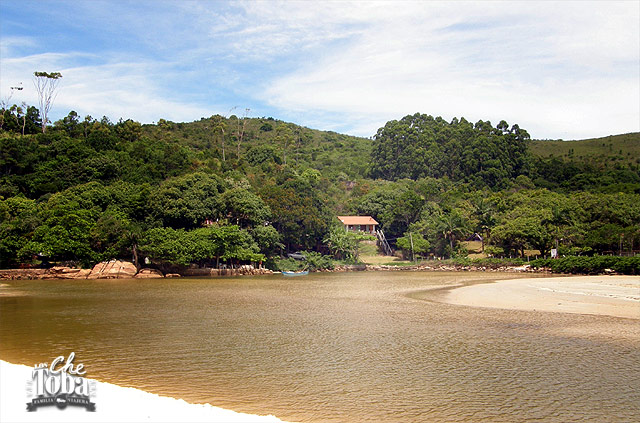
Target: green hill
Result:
[255, 141]
[623, 148]
[240, 190]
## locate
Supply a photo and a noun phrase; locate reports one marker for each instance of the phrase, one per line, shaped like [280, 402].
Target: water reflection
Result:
[331, 347]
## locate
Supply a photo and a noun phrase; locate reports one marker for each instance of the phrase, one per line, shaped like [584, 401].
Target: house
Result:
[359, 224]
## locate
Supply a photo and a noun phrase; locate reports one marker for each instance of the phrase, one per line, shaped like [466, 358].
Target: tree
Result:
[46, 85]
[240, 131]
[65, 234]
[187, 201]
[453, 226]
[420, 145]
[202, 245]
[341, 244]
[412, 244]
[244, 208]
[486, 220]
[268, 239]
[284, 137]
[219, 124]
[115, 236]
[300, 216]
[18, 219]
[526, 230]
[5, 102]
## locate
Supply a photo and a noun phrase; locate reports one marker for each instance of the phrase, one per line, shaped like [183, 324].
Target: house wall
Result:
[361, 228]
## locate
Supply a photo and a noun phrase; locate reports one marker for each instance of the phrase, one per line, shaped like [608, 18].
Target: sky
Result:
[560, 70]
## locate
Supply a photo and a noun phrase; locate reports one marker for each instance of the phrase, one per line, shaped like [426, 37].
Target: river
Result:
[337, 347]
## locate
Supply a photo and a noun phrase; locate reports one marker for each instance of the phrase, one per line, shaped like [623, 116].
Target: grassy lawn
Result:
[369, 254]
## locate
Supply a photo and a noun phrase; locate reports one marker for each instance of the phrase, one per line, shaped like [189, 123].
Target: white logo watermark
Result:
[60, 384]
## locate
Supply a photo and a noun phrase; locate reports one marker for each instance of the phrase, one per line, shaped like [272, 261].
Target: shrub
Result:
[313, 261]
[590, 265]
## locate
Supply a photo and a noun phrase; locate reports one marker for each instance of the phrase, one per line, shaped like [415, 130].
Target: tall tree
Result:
[46, 85]
[5, 103]
[241, 128]
[284, 137]
[219, 124]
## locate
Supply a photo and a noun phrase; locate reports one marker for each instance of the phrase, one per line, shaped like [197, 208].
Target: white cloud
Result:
[558, 69]
[120, 89]
[528, 64]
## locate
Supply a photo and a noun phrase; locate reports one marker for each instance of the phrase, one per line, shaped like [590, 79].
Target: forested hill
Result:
[226, 143]
[421, 146]
[243, 189]
[76, 150]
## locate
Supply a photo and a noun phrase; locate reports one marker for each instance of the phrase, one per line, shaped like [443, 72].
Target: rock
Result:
[114, 269]
[149, 274]
[59, 272]
[172, 275]
[22, 273]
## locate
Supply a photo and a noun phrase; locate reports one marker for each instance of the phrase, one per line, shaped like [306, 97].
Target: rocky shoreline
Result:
[117, 269]
[439, 268]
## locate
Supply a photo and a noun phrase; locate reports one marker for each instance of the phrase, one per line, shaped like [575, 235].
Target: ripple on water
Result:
[337, 347]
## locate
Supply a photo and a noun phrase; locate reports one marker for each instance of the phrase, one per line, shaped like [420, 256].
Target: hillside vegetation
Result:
[238, 190]
[602, 152]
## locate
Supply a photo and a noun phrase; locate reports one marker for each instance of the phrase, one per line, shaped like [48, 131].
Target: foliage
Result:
[344, 245]
[202, 245]
[187, 201]
[313, 262]
[285, 264]
[591, 265]
[298, 213]
[18, 221]
[411, 244]
[420, 146]
[244, 208]
[90, 189]
[268, 239]
[316, 261]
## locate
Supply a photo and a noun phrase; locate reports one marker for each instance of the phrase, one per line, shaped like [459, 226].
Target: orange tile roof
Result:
[358, 220]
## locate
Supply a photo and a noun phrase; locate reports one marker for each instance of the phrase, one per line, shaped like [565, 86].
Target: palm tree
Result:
[453, 226]
[486, 220]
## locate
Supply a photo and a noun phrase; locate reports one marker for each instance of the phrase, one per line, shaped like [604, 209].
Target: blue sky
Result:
[567, 70]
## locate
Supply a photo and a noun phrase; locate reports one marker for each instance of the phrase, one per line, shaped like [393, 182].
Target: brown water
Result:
[348, 347]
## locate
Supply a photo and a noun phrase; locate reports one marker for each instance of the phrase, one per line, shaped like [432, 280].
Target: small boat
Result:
[301, 273]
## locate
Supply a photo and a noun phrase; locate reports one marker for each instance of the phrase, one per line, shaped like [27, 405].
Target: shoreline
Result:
[113, 403]
[117, 272]
[605, 295]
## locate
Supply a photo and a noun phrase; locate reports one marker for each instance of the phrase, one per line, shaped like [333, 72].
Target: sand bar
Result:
[113, 403]
[617, 296]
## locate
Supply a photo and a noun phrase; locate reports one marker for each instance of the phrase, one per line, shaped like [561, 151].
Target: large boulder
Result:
[114, 269]
[63, 272]
[149, 274]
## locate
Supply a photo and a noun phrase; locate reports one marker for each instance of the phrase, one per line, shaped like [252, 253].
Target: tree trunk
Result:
[134, 250]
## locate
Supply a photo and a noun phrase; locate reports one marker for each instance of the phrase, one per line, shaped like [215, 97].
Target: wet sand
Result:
[113, 403]
[617, 296]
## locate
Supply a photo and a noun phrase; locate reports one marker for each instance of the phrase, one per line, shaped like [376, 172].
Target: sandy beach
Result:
[113, 403]
[617, 296]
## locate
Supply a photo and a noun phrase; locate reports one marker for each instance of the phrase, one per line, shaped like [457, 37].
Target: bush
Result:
[492, 263]
[590, 265]
[316, 261]
[285, 264]
[313, 261]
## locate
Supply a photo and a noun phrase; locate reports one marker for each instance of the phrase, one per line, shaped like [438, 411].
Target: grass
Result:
[369, 254]
[621, 148]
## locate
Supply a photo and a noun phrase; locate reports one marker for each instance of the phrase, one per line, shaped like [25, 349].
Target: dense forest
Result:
[240, 190]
